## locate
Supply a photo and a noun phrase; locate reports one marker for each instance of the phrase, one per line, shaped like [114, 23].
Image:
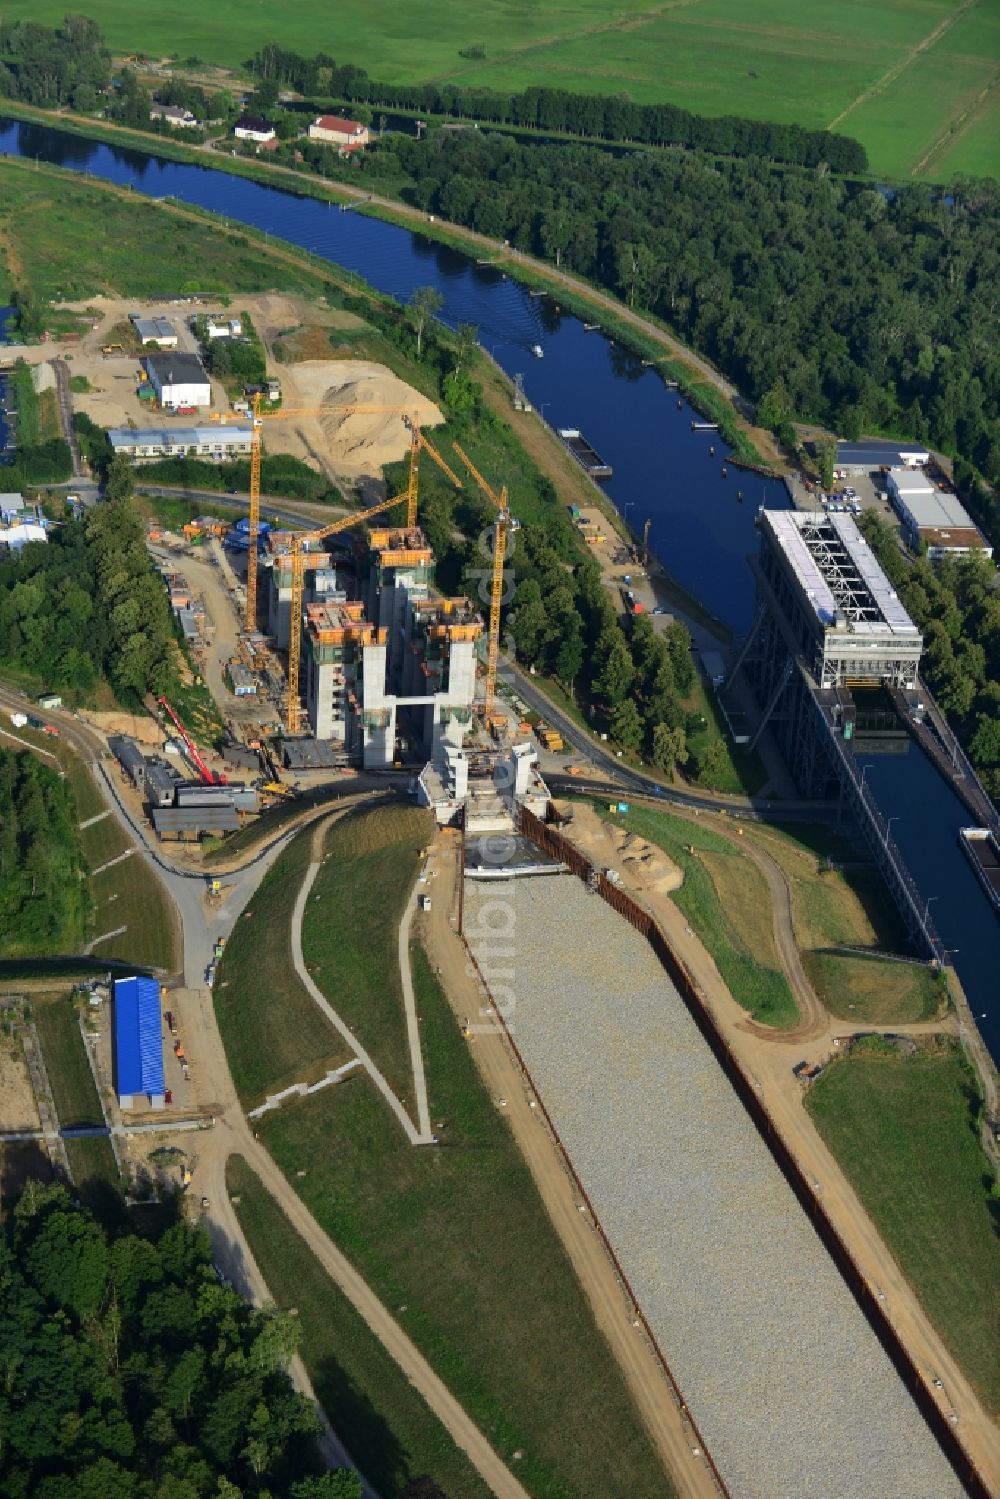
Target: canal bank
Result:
[662, 470]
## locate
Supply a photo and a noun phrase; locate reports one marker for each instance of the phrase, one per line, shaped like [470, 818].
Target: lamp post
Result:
[888, 826]
[927, 907]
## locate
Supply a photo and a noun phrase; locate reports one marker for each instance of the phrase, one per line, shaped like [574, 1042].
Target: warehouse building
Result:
[194, 822]
[932, 518]
[875, 453]
[221, 444]
[159, 783]
[178, 380]
[155, 330]
[138, 1035]
[130, 758]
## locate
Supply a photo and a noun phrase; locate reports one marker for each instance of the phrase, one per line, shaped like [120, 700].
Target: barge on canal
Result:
[983, 853]
[586, 456]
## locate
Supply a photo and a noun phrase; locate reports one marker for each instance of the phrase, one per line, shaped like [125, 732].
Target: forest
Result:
[44, 904]
[128, 1369]
[821, 300]
[87, 605]
[54, 68]
[610, 118]
[956, 605]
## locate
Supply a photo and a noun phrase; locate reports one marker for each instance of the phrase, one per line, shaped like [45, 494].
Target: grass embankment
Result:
[73, 1088]
[456, 1240]
[737, 770]
[840, 903]
[905, 1130]
[92, 1162]
[126, 895]
[272, 1030]
[388, 1430]
[49, 214]
[726, 900]
[370, 863]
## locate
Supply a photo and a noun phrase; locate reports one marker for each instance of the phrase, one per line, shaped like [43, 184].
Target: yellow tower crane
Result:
[503, 524]
[256, 423]
[298, 554]
[297, 557]
[418, 441]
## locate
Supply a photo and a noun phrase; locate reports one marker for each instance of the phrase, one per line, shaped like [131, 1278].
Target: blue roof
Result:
[138, 1037]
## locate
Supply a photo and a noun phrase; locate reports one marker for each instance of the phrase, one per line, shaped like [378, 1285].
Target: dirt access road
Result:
[613, 1312]
[766, 1058]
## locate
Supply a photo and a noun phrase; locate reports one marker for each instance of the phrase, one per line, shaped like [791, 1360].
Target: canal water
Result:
[662, 469]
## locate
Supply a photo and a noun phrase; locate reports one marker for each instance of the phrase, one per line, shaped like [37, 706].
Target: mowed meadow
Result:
[916, 81]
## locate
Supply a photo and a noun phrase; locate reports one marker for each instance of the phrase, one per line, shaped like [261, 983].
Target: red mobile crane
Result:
[209, 777]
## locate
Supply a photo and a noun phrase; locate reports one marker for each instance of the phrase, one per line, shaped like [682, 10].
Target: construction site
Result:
[728, 1244]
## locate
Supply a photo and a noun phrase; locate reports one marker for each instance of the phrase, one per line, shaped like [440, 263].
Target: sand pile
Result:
[359, 442]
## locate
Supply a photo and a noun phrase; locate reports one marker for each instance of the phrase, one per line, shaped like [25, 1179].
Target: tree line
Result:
[44, 905]
[820, 299]
[128, 1369]
[956, 605]
[87, 605]
[54, 67]
[606, 117]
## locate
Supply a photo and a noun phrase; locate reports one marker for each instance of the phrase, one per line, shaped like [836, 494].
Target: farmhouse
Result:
[933, 518]
[155, 330]
[178, 380]
[219, 444]
[253, 128]
[170, 114]
[347, 135]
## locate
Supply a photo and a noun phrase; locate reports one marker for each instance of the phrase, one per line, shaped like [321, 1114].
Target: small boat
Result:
[739, 497]
[711, 452]
[725, 473]
[538, 351]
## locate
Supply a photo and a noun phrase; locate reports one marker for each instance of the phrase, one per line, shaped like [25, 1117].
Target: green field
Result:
[273, 1032]
[457, 1242]
[730, 931]
[133, 247]
[349, 931]
[385, 1425]
[906, 1133]
[70, 1077]
[775, 60]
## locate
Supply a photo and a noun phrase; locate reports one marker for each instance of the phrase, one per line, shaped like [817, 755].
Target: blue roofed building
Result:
[138, 1043]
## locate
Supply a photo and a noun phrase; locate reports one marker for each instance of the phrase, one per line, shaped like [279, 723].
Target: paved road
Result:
[201, 926]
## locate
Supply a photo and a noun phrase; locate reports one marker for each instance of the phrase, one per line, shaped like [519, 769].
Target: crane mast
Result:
[503, 523]
[345, 523]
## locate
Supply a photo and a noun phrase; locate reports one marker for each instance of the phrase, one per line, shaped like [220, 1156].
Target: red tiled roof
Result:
[342, 127]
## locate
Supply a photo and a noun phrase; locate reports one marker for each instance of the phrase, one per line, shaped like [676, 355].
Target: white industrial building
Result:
[879, 453]
[346, 135]
[932, 517]
[217, 444]
[20, 532]
[218, 326]
[178, 380]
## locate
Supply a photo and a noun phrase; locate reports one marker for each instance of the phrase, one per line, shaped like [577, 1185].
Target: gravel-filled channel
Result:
[792, 1390]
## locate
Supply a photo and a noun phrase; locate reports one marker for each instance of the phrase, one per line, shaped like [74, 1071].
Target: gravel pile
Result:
[789, 1385]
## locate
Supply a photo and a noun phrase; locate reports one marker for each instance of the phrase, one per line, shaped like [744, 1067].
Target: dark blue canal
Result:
[662, 470]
